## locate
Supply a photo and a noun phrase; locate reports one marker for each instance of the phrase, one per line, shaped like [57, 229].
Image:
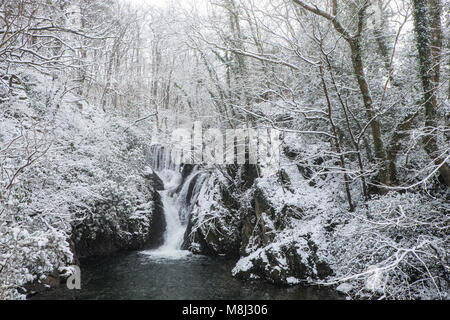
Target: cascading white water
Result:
[173, 236]
[160, 160]
[174, 229]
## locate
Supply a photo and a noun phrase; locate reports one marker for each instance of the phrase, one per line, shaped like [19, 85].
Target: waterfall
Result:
[188, 193]
[160, 158]
[178, 198]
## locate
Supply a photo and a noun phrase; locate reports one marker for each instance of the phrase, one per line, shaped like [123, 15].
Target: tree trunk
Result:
[358, 69]
[427, 25]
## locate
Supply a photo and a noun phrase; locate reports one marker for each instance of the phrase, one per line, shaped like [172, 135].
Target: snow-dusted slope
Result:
[79, 187]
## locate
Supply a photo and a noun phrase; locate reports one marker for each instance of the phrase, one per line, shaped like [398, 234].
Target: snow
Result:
[374, 281]
[344, 287]
[292, 280]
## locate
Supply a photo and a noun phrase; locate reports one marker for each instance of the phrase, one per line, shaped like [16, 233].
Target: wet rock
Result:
[212, 239]
[109, 226]
[158, 224]
[153, 179]
[213, 227]
[51, 281]
[256, 219]
[282, 263]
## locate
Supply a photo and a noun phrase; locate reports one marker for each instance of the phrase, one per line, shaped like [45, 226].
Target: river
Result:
[140, 275]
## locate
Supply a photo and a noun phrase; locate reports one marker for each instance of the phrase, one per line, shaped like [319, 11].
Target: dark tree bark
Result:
[427, 25]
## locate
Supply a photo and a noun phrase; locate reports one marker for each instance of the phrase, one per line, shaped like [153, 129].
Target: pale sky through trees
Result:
[158, 3]
[200, 5]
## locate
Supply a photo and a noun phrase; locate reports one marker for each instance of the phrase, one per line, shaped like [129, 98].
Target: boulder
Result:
[283, 263]
[153, 179]
[110, 226]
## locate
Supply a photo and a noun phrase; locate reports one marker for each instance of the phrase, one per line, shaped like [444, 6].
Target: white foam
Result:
[167, 254]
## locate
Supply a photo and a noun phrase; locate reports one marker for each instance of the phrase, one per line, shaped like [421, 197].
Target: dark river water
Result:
[140, 276]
